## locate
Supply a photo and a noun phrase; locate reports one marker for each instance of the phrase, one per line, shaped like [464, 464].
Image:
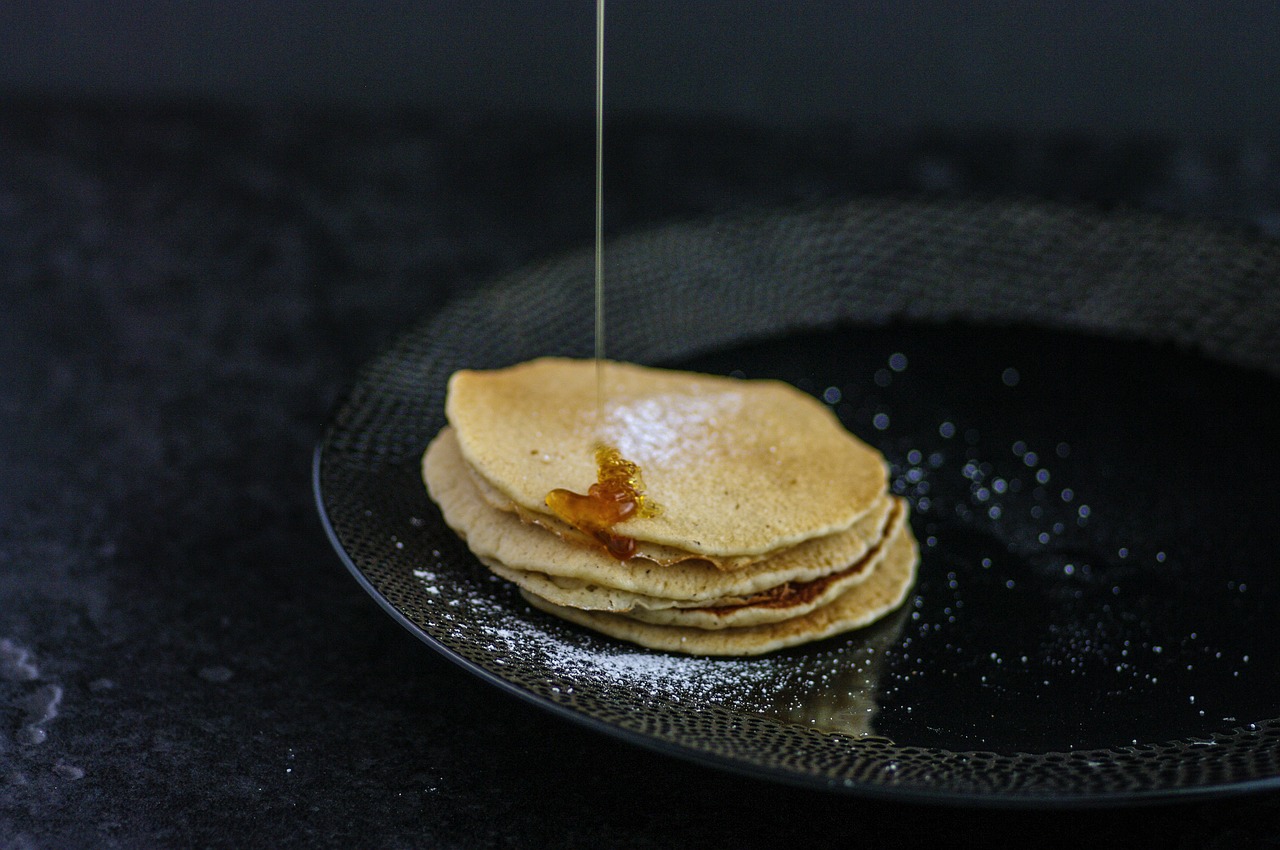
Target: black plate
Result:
[1094, 621]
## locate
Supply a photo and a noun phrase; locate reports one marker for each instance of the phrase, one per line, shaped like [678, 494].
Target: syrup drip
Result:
[617, 496]
[599, 257]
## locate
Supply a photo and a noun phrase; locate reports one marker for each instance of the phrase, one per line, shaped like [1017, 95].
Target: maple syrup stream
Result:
[618, 494]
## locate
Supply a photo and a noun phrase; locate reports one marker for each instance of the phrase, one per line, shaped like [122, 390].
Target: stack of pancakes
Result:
[772, 526]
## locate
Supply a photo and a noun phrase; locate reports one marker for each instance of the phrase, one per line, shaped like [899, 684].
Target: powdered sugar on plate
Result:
[831, 689]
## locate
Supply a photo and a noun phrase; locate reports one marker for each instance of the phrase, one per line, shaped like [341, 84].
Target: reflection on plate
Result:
[1093, 617]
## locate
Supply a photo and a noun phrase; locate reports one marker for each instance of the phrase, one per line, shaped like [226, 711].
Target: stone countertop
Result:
[185, 293]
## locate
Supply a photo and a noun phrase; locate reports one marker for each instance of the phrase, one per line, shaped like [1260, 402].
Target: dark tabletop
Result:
[185, 294]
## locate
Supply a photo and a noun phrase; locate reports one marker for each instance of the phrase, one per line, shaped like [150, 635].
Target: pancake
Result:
[739, 468]
[883, 591]
[755, 521]
[771, 605]
[782, 602]
[655, 552]
[500, 537]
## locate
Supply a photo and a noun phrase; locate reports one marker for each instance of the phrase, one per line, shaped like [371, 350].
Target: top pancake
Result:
[737, 467]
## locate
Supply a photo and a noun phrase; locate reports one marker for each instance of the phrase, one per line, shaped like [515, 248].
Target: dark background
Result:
[1178, 66]
[212, 214]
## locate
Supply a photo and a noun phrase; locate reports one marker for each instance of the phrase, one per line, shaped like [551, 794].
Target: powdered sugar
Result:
[832, 689]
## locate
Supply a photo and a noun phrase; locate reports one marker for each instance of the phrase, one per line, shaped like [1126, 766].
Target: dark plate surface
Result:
[1094, 617]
